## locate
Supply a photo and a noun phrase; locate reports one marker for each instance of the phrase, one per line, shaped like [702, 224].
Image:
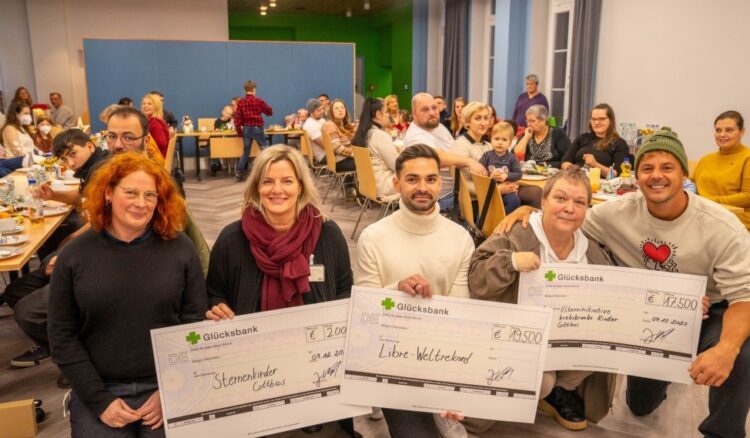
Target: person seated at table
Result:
[296, 120]
[16, 135]
[313, 128]
[340, 131]
[157, 127]
[392, 111]
[455, 124]
[541, 142]
[554, 236]
[168, 117]
[100, 314]
[502, 165]
[474, 118]
[383, 152]
[724, 176]
[104, 115]
[29, 294]
[225, 122]
[22, 95]
[602, 147]
[492, 120]
[262, 261]
[43, 136]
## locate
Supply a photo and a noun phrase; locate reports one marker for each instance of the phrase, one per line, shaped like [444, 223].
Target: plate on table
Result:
[17, 230]
[535, 177]
[7, 252]
[50, 211]
[13, 240]
[23, 169]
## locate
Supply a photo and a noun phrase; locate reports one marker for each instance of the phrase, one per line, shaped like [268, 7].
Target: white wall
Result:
[16, 67]
[675, 63]
[58, 27]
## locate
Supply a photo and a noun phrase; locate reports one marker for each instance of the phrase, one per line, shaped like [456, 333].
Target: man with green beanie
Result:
[665, 228]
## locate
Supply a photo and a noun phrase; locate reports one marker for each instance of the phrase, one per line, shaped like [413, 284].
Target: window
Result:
[558, 59]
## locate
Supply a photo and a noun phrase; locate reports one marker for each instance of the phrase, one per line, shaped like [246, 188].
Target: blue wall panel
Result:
[199, 78]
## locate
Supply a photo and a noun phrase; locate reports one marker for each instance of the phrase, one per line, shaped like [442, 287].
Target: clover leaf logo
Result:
[550, 275]
[387, 303]
[193, 338]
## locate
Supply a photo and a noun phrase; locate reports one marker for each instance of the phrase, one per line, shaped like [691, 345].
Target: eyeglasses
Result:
[133, 194]
[126, 138]
[599, 119]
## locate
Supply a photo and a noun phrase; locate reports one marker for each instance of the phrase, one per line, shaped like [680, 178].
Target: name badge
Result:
[317, 273]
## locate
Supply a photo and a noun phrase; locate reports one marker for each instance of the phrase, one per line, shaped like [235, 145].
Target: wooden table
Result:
[38, 234]
[285, 132]
[198, 135]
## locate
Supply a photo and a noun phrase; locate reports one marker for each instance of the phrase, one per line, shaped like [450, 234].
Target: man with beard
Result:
[436, 261]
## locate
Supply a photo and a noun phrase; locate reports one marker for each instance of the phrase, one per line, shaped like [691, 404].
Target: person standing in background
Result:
[532, 96]
[248, 122]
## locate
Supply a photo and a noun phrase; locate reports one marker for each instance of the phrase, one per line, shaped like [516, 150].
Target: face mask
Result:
[45, 129]
[25, 119]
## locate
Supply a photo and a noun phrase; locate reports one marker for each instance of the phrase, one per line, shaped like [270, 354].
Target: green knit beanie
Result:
[667, 141]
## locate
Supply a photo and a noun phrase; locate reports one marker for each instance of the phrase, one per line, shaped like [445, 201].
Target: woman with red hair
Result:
[132, 272]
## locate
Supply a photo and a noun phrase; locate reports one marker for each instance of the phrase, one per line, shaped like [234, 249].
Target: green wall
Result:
[383, 39]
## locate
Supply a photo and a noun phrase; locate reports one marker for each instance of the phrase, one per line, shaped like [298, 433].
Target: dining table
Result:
[198, 136]
[27, 238]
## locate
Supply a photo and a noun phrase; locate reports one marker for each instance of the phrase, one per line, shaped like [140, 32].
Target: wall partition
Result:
[199, 78]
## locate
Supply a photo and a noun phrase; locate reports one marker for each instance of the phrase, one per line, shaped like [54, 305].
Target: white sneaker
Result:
[377, 414]
[450, 428]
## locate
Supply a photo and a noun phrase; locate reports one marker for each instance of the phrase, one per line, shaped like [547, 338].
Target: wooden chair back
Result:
[464, 197]
[496, 211]
[205, 124]
[226, 147]
[330, 154]
[169, 159]
[365, 172]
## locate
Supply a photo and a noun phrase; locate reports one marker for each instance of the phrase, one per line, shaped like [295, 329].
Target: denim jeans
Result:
[8, 165]
[728, 404]
[248, 134]
[85, 424]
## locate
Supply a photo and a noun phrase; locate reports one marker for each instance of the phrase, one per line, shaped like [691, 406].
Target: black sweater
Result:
[235, 279]
[106, 295]
[559, 145]
[613, 154]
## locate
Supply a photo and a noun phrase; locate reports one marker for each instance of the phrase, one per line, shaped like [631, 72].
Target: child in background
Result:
[502, 166]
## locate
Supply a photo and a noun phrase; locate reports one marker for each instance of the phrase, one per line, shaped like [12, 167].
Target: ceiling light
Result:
[262, 12]
[367, 5]
[264, 8]
[272, 3]
[348, 13]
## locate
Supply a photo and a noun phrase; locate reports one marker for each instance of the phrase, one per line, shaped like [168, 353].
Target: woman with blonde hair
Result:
[262, 261]
[151, 106]
[392, 110]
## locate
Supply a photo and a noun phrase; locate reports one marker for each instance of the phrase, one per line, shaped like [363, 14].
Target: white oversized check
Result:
[254, 375]
[480, 358]
[619, 320]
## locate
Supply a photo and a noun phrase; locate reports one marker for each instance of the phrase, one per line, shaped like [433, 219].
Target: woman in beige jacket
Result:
[554, 236]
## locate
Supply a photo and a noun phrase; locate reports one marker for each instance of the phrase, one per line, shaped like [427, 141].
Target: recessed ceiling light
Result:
[264, 8]
[367, 5]
[262, 12]
[348, 13]
[272, 4]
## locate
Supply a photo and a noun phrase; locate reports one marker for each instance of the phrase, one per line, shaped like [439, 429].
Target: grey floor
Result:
[215, 202]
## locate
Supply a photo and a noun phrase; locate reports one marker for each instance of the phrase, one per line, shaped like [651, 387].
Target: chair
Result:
[495, 211]
[367, 187]
[231, 147]
[464, 197]
[337, 178]
[306, 149]
[169, 159]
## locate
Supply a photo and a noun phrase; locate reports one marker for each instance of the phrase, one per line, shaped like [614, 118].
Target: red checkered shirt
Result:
[248, 112]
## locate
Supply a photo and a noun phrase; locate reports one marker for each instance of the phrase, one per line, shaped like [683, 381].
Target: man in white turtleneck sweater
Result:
[417, 251]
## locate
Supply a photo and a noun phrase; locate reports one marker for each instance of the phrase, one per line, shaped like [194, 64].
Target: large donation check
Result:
[482, 359]
[254, 375]
[619, 320]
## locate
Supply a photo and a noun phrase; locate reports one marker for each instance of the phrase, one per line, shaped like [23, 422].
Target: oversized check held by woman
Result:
[254, 375]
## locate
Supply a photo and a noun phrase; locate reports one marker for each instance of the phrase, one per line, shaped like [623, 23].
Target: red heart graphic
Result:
[660, 254]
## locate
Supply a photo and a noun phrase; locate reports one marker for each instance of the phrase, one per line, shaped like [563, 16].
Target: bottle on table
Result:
[627, 182]
[34, 204]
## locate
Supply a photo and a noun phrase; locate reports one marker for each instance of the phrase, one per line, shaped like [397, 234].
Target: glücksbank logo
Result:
[387, 303]
[193, 338]
[551, 276]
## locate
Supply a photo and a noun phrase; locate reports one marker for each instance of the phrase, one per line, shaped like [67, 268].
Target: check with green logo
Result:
[620, 320]
[482, 359]
[254, 375]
